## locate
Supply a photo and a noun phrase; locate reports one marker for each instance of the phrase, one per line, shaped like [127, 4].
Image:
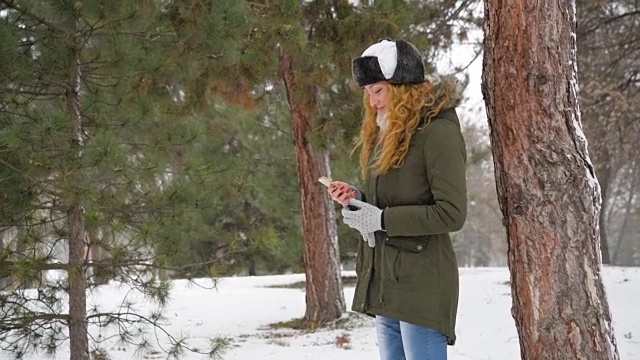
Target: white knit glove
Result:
[366, 219]
[370, 238]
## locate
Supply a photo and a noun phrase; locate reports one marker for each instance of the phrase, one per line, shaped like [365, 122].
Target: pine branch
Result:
[11, 4]
[4, 226]
[42, 95]
[147, 264]
[10, 266]
[455, 14]
[93, 28]
[7, 164]
[134, 318]
[609, 21]
[20, 323]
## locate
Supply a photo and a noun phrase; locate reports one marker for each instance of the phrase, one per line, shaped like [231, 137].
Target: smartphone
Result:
[325, 181]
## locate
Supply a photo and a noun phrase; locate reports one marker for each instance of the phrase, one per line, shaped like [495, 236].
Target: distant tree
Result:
[609, 67]
[481, 242]
[547, 189]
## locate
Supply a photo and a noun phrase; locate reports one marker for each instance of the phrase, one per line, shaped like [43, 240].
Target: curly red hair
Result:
[408, 103]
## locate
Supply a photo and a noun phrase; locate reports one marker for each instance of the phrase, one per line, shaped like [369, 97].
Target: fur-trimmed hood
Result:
[447, 85]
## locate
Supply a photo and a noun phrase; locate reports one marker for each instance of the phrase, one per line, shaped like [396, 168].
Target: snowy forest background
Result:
[165, 126]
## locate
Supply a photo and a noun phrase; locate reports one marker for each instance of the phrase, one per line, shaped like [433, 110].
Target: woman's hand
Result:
[341, 192]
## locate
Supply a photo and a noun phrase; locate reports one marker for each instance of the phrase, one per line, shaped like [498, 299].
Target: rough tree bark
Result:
[324, 296]
[547, 190]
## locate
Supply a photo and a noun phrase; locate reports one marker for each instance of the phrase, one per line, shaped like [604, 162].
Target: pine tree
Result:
[106, 140]
[253, 227]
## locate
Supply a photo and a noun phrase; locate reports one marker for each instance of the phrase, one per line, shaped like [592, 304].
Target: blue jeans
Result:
[398, 340]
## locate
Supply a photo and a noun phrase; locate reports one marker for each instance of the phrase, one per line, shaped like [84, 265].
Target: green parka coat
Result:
[412, 274]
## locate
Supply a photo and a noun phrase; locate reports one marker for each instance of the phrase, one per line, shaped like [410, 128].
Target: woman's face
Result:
[378, 96]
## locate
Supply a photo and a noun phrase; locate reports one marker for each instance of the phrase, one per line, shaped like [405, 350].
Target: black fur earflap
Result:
[366, 70]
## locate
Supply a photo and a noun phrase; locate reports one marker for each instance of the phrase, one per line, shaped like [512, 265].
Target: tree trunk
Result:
[628, 212]
[78, 337]
[5, 273]
[325, 300]
[547, 190]
[79, 345]
[604, 177]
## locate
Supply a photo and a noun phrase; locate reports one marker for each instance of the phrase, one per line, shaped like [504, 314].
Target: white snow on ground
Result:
[242, 308]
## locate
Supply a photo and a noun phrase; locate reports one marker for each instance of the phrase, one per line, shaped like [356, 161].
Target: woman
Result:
[412, 157]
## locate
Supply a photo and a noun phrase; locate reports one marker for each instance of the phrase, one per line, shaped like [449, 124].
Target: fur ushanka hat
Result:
[398, 62]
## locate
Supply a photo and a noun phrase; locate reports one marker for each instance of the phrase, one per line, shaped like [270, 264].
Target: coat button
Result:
[419, 247]
[386, 239]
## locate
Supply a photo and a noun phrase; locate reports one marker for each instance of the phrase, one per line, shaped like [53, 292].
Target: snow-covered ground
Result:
[242, 309]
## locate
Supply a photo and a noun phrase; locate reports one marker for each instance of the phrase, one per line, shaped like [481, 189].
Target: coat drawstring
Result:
[382, 274]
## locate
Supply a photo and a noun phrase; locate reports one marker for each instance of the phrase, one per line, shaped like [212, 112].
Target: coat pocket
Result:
[410, 244]
[413, 266]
